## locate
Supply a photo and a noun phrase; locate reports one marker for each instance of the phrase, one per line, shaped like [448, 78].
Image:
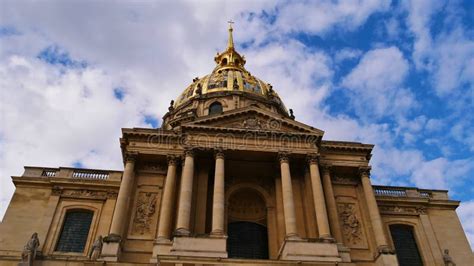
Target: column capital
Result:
[284, 157]
[364, 171]
[219, 153]
[172, 159]
[326, 168]
[189, 151]
[313, 158]
[130, 157]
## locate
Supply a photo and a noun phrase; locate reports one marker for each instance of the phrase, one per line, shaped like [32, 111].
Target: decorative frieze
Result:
[144, 211]
[402, 210]
[83, 193]
[345, 180]
[153, 167]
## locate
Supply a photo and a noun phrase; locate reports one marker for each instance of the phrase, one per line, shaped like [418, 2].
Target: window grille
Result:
[405, 245]
[75, 231]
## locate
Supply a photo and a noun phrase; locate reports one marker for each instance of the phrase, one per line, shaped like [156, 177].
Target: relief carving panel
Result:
[144, 215]
[351, 225]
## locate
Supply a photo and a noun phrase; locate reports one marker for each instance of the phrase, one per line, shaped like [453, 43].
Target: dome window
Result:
[224, 61]
[215, 108]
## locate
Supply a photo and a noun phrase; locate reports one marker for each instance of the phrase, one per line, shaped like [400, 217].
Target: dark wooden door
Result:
[247, 240]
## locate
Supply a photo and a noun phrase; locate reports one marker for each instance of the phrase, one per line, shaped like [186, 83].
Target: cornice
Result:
[345, 146]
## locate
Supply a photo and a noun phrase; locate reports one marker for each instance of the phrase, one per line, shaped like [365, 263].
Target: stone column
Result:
[123, 199]
[164, 226]
[331, 204]
[287, 193]
[218, 198]
[318, 198]
[374, 213]
[185, 196]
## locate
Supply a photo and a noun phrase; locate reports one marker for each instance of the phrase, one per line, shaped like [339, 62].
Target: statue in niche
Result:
[350, 223]
[29, 251]
[448, 261]
[96, 249]
[236, 85]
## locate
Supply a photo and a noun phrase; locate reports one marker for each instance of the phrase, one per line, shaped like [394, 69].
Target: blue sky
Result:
[397, 74]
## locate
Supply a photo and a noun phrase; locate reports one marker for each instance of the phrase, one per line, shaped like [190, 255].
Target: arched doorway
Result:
[246, 228]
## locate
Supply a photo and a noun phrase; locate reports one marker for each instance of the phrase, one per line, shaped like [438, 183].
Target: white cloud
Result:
[419, 21]
[436, 173]
[376, 82]
[318, 17]
[448, 56]
[300, 76]
[466, 215]
[52, 116]
[347, 54]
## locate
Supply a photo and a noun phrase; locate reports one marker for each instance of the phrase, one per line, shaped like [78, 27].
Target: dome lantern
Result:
[230, 58]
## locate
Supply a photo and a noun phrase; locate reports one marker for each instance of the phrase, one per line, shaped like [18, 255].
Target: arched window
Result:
[224, 61]
[75, 231]
[215, 108]
[405, 245]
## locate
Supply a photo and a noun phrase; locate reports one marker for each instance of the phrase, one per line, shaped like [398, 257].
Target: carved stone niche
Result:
[144, 218]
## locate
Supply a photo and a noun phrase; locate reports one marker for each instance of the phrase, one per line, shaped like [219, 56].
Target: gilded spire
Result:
[230, 44]
[230, 58]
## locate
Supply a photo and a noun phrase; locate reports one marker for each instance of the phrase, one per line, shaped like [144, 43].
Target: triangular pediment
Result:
[253, 118]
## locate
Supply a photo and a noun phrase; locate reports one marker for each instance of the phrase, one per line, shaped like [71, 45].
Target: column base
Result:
[303, 250]
[386, 260]
[110, 252]
[344, 252]
[217, 234]
[182, 232]
[161, 247]
[213, 247]
[292, 237]
[386, 256]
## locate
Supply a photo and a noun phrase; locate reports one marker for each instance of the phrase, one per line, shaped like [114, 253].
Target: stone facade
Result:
[188, 185]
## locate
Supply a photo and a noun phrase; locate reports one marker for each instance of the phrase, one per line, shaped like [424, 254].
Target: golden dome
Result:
[229, 75]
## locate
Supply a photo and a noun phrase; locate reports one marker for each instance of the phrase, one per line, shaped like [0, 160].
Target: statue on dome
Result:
[199, 90]
[292, 116]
